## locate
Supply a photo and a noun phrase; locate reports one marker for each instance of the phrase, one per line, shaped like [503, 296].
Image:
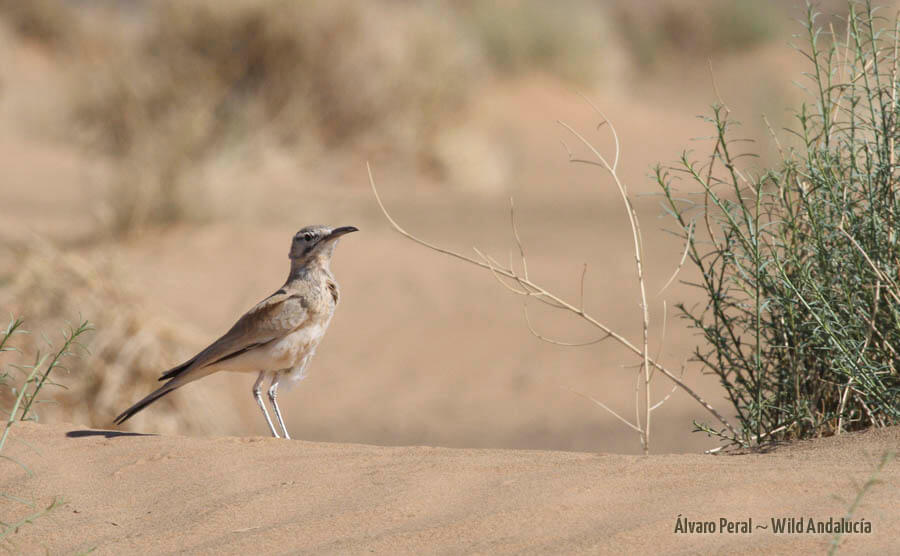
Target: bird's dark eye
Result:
[309, 237]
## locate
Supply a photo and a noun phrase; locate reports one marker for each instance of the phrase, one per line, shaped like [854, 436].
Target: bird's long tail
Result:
[149, 399]
[175, 371]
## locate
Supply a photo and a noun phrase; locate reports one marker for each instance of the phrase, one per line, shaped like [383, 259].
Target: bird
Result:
[277, 337]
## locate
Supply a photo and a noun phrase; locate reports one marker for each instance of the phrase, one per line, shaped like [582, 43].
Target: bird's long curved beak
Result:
[338, 232]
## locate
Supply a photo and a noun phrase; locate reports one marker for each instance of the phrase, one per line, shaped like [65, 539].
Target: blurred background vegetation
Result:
[147, 141]
[162, 87]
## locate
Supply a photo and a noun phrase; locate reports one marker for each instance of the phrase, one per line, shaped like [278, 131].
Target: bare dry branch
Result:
[604, 406]
[540, 336]
[672, 391]
[612, 128]
[638, 257]
[515, 229]
[544, 295]
[411, 237]
[662, 337]
[491, 264]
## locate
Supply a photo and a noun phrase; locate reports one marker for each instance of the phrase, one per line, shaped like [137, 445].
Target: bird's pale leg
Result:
[257, 393]
[273, 397]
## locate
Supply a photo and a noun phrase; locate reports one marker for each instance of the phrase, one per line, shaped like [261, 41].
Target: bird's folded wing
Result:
[271, 319]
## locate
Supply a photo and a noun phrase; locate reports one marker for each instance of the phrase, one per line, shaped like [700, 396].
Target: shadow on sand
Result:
[107, 434]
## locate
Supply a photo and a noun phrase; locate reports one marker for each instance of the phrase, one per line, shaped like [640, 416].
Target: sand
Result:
[133, 494]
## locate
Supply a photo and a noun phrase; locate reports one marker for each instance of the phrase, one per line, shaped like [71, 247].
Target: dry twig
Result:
[522, 284]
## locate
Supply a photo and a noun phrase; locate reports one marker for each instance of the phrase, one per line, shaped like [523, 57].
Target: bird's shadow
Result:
[106, 434]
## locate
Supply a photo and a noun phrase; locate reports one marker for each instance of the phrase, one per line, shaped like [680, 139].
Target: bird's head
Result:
[315, 244]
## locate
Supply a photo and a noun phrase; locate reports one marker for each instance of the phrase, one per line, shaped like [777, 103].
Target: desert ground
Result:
[432, 420]
[136, 494]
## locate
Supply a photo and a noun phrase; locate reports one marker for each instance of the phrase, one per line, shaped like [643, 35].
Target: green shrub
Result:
[800, 263]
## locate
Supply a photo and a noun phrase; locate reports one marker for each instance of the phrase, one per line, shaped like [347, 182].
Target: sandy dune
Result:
[132, 494]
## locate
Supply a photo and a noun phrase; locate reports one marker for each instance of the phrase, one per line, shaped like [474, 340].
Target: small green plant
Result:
[800, 263]
[7, 529]
[36, 374]
[25, 396]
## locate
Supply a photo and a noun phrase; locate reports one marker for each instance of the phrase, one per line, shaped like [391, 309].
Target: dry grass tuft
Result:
[49, 22]
[695, 28]
[203, 78]
[567, 38]
[128, 350]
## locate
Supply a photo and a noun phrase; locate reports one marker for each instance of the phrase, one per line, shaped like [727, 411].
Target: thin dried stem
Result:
[684, 254]
[496, 272]
[541, 337]
[662, 336]
[893, 289]
[865, 345]
[515, 229]
[604, 406]
[669, 395]
[715, 86]
[612, 129]
[638, 257]
[544, 295]
[583, 274]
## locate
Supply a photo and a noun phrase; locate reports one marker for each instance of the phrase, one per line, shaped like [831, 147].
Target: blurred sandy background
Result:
[158, 156]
